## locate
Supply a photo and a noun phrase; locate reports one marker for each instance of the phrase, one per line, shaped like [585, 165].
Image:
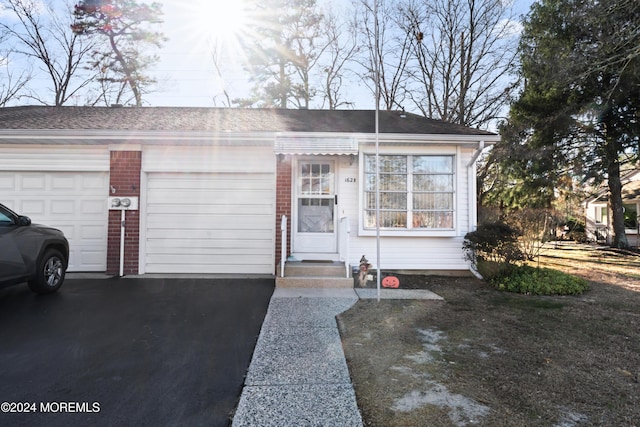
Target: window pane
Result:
[630, 215]
[433, 182]
[393, 182]
[388, 201]
[393, 219]
[433, 219]
[393, 164]
[369, 200]
[432, 164]
[433, 201]
[388, 164]
[393, 200]
[370, 182]
[387, 219]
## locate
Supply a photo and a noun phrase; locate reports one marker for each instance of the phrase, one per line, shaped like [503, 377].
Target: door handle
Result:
[336, 198]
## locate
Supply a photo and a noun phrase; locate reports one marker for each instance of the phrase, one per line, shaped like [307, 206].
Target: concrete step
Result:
[313, 282]
[313, 269]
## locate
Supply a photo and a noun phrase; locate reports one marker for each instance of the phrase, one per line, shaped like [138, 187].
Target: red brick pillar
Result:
[283, 201]
[125, 179]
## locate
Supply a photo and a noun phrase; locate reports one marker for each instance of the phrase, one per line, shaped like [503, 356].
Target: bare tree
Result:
[463, 52]
[393, 49]
[217, 64]
[11, 84]
[43, 35]
[341, 47]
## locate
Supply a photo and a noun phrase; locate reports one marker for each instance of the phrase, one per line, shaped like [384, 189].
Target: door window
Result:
[315, 197]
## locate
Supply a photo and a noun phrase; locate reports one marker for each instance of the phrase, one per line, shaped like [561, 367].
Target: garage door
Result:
[209, 209]
[210, 223]
[74, 202]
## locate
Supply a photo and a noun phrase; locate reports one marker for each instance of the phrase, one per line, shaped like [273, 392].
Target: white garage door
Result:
[74, 202]
[210, 223]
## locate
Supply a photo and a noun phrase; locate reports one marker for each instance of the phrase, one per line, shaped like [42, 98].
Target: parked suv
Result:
[31, 253]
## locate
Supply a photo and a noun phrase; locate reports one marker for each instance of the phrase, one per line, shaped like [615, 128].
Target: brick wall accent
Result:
[283, 201]
[125, 178]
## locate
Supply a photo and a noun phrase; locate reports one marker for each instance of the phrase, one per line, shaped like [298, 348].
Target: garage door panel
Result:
[207, 269]
[210, 209]
[74, 202]
[185, 234]
[264, 182]
[210, 259]
[242, 247]
[185, 196]
[210, 223]
[7, 182]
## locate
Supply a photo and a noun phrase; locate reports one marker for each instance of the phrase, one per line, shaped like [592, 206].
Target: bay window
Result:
[416, 192]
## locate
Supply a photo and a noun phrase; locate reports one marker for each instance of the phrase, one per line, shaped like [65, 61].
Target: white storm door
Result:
[315, 204]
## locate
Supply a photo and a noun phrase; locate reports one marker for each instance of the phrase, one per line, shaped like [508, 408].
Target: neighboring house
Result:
[598, 218]
[213, 186]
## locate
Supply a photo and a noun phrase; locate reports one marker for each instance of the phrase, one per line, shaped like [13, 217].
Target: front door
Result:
[315, 204]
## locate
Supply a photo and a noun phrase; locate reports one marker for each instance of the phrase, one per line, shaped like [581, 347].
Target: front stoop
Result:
[311, 274]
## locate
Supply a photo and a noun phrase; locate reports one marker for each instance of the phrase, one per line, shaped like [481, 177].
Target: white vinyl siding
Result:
[200, 217]
[64, 187]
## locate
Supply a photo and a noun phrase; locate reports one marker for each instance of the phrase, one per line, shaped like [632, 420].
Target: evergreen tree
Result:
[124, 26]
[281, 52]
[579, 111]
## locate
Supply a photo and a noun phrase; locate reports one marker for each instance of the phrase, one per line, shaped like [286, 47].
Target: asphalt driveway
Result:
[128, 351]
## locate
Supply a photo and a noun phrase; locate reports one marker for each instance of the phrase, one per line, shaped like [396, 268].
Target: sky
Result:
[186, 70]
[186, 74]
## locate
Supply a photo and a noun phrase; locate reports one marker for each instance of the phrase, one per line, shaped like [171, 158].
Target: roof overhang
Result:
[284, 142]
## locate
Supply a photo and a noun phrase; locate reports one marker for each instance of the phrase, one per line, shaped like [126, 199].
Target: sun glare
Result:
[220, 21]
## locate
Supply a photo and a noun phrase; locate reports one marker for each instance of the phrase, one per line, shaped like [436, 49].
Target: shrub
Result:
[539, 281]
[492, 248]
[535, 226]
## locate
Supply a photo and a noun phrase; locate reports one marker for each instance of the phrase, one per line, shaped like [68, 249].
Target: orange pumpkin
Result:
[390, 282]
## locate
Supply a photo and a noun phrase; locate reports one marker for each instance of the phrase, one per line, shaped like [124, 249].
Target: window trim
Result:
[410, 232]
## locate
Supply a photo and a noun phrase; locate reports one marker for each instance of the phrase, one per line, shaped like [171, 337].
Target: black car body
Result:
[31, 253]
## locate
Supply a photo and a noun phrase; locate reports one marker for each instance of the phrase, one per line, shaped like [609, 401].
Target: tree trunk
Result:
[615, 198]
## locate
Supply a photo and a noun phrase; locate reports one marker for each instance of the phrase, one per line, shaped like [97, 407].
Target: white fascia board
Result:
[398, 138]
[57, 136]
[432, 139]
[81, 136]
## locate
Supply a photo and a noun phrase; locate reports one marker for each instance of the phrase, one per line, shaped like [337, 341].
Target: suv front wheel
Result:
[51, 272]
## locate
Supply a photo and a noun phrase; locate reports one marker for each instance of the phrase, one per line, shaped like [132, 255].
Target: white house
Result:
[212, 186]
[598, 217]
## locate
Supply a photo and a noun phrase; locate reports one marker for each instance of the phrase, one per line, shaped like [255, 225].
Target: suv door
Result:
[12, 266]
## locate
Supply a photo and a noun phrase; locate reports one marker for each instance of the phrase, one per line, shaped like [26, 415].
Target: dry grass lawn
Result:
[489, 358]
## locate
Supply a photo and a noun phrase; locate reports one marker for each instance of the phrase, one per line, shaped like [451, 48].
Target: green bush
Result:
[493, 249]
[525, 279]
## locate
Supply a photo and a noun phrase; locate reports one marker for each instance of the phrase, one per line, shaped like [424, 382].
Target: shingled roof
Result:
[222, 119]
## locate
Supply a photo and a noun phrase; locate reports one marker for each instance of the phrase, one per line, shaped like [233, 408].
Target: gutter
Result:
[473, 213]
[476, 154]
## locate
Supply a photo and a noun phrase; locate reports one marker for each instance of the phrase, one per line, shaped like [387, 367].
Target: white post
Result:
[345, 231]
[283, 244]
[377, 59]
[122, 217]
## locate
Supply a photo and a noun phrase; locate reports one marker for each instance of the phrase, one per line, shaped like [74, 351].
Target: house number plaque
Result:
[350, 179]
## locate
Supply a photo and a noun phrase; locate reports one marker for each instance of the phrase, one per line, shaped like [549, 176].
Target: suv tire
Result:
[51, 272]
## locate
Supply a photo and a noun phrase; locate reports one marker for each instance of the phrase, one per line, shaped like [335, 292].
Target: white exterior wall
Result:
[412, 251]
